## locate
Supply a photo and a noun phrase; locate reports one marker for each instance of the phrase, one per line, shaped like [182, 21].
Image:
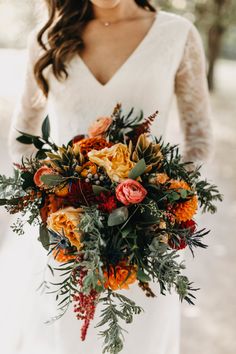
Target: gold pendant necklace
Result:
[107, 23]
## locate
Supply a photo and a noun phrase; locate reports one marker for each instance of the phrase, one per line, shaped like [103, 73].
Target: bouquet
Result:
[114, 208]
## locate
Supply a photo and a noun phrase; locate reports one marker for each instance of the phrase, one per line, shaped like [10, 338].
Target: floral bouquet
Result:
[114, 208]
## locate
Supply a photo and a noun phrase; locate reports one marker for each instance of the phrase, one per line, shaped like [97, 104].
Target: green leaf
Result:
[118, 216]
[138, 169]
[52, 180]
[28, 178]
[44, 237]
[25, 140]
[142, 276]
[99, 189]
[38, 143]
[148, 213]
[42, 154]
[126, 231]
[46, 128]
[27, 135]
[183, 193]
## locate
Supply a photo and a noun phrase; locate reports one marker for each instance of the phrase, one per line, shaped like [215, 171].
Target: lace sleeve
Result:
[193, 100]
[31, 108]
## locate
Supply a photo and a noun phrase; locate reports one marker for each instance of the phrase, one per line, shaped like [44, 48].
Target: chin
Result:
[106, 4]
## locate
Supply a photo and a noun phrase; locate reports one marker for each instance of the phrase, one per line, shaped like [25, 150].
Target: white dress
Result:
[169, 60]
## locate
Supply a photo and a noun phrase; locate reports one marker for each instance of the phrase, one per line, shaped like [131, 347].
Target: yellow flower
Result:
[115, 160]
[65, 221]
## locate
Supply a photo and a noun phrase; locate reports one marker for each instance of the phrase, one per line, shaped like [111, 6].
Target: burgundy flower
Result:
[107, 202]
[184, 225]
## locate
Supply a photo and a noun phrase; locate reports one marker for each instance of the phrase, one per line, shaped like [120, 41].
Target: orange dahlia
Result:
[186, 210]
[123, 276]
[89, 144]
[62, 255]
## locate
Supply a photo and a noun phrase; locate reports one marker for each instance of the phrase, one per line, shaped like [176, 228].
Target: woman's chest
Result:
[108, 47]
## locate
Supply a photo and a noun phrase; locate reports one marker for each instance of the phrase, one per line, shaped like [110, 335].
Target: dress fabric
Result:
[169, 60]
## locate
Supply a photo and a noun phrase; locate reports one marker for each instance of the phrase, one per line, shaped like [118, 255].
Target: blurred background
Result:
[209, 327]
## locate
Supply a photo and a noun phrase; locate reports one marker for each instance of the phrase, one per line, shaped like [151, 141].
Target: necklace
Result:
[106, 23]
[109, 23]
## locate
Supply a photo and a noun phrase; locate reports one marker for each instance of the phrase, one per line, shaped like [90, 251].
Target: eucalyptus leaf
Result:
[99, 189]
[118, 216]
[44, 237]
[52, 180]
[138, 169]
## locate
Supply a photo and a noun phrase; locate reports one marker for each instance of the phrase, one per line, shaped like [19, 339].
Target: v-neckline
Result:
[125, 62]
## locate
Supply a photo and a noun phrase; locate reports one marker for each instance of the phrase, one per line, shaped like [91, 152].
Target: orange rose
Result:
[66, 221]
[99, 127]
[123, 276]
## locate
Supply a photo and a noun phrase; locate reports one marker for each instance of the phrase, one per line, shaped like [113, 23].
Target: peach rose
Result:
[66, 221]
[115, 160]
[44, 170]
[99, 127]
[130, 192]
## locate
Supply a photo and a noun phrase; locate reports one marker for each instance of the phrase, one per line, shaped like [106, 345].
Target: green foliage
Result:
[207, 194]
[138, 169]
[118, 216]
[165, 267]
[64, 290]
[44, 237]
[111, 314]
[11, 187]
[91, 225]
[52, 180]
[43, 144]
[123, 124]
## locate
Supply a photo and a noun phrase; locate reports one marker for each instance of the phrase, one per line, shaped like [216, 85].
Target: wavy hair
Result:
[66, 21]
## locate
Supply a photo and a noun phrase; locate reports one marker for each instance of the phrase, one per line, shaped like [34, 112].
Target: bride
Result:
[90, 55]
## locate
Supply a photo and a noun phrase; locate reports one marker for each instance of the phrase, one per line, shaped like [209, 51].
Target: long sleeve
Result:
[193, 100]
[31, 107]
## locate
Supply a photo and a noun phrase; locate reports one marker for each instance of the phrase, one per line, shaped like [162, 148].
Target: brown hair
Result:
[66, 21]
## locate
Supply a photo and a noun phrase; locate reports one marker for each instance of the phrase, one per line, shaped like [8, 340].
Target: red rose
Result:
[130, 192]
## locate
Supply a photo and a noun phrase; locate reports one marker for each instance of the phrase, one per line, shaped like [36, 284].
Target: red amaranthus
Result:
[85, 305]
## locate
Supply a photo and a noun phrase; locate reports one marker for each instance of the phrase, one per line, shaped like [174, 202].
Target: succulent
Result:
[65, 162]
[147, 150]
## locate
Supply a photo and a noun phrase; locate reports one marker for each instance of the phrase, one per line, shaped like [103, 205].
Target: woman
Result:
[90, 55]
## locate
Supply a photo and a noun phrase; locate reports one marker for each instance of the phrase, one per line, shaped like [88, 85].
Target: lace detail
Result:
[193, 100]
[31, 108]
